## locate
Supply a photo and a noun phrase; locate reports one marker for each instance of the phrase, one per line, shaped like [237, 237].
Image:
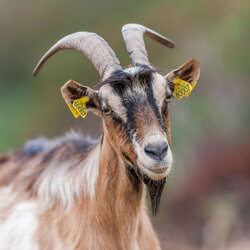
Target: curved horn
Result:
[95, 48]
[133, 37]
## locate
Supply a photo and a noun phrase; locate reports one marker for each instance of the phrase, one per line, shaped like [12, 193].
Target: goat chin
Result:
[155, 188]
[155, 172]
[154, 176]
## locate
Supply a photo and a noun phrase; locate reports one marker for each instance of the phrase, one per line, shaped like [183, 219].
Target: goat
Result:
[76, 193]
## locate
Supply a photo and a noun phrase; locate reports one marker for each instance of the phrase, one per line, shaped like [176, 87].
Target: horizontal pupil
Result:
[106, 110]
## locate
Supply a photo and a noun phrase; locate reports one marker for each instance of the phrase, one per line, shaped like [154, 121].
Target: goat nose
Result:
[158, 151]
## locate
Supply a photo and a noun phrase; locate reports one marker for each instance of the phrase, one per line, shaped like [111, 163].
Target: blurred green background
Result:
[210, 129]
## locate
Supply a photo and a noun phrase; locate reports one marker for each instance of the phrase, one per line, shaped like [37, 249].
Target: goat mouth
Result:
[155, 173]
[159, 170]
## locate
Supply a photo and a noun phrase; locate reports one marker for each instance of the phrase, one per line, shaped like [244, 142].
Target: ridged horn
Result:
[133, 38]
[94, 47]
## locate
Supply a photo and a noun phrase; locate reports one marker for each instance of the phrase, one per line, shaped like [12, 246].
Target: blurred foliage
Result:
[215, 32]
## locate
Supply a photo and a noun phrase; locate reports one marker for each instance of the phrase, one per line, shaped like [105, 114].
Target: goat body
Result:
[74, 193]
[71, 193]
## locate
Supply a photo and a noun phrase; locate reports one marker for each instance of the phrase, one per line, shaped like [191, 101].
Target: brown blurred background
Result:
[206, 204]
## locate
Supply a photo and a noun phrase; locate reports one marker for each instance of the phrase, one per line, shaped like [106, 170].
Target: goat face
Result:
[134, 104]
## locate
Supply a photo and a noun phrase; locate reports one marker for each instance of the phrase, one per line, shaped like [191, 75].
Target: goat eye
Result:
[107, 111]
[168, 99]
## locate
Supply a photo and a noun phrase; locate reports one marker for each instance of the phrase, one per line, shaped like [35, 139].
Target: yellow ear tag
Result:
[79, 107]
[73, 110]
[182, 88]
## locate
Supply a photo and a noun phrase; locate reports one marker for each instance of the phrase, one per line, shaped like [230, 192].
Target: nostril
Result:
[150, 150]
[158, 151]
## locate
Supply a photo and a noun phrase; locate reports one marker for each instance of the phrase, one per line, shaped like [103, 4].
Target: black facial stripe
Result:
[129, 113]
[127, 158]
[131, 172]
[118, 120]
[165, 106]
[152, 102]
[120, 81]
[130, 124]
[133, 177]
[129, 105]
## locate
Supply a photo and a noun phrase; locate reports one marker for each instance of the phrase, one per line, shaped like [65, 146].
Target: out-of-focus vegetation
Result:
[210, 129]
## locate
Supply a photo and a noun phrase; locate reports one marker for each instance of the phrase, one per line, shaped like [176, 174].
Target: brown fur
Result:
[116, 218]
[144, 119]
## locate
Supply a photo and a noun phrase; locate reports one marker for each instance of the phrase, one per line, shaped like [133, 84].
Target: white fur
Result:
[68, 181]
[18, 229]
[113, 100]
[137, 92]
[7, 197]
[91, 170]
[160, 89]
[133, 70]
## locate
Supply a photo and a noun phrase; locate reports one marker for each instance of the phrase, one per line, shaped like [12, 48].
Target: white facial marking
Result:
[113, 100]
[160, 89]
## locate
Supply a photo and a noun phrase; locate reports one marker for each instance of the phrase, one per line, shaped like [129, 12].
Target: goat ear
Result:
[189, 72]
[86, 97]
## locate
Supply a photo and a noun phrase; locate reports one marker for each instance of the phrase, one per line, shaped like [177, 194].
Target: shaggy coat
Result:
[76, 193]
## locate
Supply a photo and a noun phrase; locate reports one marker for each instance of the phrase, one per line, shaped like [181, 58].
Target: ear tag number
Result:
[182, 88]
[79, 107]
